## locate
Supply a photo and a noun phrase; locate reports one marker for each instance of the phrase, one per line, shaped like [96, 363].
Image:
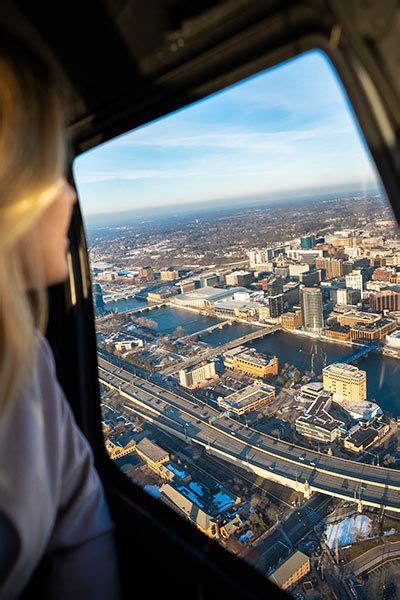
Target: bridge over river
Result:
[191, 361]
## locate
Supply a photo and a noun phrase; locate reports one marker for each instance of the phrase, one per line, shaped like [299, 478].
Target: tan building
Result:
[373, 332]
[195, 376]
[353, 317]
[153, 455]
[251, 362]
[345, 381]
[338, 332]
[291, 571]
[253, 397]
[169, 275]
[181, 504]
[115, 451]
[291, 320]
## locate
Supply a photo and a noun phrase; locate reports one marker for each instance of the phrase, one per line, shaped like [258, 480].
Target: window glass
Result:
[246, 283]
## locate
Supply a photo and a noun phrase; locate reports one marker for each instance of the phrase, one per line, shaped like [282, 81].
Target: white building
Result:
[393, 340]
[355, 281]
[198, 375]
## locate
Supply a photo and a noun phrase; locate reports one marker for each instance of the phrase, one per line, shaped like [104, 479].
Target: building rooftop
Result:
[249, 395]
[151, 450]
[363, 436]
[344, 370]
[288, 568]
[317, 413]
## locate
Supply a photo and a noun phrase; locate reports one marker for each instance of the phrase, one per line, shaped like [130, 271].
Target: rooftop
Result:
[249, 395]
[290, 566]
[345, 370]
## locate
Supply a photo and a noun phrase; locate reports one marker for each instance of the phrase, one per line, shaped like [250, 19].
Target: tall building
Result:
[275, 305]
[385, 300]
[332, 267]
[260, 257]
[307, 242]
[355, 281]
[345, 382]
[146, 273]
[311, 309]
[98, 297]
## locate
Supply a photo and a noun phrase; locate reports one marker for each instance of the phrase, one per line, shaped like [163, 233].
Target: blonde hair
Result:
[32, 158]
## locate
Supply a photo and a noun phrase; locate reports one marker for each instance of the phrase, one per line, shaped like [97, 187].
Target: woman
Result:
[56, 535]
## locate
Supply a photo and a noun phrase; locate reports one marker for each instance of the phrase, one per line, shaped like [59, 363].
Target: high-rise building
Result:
[346, 382]
[307, 242]
[260, 257]
[311, 309]
[146, 273]
[385, 300]
[333, 267]
[98, 297]
[355, 281]
[275, 305]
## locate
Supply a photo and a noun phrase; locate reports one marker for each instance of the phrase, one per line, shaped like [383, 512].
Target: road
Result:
[289, 533]
[273, 459]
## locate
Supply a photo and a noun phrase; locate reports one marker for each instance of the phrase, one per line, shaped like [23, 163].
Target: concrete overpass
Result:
[299, 468]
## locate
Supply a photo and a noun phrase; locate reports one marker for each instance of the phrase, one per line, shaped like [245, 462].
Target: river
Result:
[306, 353]
[309, 354]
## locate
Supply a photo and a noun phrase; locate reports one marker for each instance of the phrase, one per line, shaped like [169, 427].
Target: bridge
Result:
[143, 309]
[302, 469]
[184, 364]
[363, 351]
[220, 325]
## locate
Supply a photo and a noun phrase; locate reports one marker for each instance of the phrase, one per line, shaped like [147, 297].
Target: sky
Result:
[287, 130]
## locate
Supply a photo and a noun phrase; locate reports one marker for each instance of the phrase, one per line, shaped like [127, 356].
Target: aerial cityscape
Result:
[258, 384]
[245, 267]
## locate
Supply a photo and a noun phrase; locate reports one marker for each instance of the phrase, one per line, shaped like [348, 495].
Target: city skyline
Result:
[236, 144]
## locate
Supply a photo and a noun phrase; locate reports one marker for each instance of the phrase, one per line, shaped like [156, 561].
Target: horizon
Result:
[234, 147]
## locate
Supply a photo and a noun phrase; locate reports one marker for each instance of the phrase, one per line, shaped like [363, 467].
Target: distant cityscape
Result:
[248, 362]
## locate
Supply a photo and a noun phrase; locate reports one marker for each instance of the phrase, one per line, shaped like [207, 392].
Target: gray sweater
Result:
[55, 529]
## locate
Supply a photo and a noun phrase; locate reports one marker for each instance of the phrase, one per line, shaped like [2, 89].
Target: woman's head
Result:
[35, 202]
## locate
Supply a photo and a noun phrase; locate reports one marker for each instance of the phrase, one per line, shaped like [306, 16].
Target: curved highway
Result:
[293, 465]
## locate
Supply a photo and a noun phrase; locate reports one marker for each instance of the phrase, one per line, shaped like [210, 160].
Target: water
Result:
[307, 354]
[122, 305]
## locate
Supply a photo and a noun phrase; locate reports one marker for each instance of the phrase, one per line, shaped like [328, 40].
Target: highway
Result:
[297, 467]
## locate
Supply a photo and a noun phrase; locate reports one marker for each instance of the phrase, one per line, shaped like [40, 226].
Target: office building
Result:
[241, 278]
[353, 317]
[169, 275]
[98, 298]
[372, 332]
[385, 300]
[251, 361]
[307, 242]
[317, 423]
[275, 305]
[331, 267]
[297, 269]
[258, 258]
[345, 381]
[253, 397]
[146, 273]
[191, 378]
[355, 281]
[383, 274]
[291, 319]
[310, 278]
[311, 309]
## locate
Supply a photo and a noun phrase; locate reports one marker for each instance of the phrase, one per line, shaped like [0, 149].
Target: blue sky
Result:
[287, 130]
